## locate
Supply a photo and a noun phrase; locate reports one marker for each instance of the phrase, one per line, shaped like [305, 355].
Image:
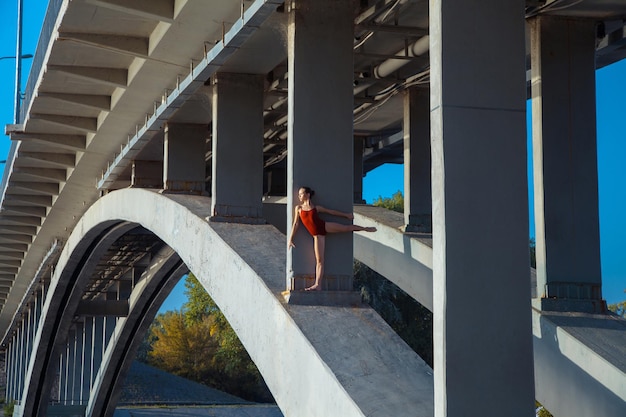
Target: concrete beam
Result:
[22, 238]
[123, 44]
[92, 101]
[31, 200]
[20, 220]
[41, 173]
[160, 10]
[71, 142]
[80, 123]
[114, 77]
[63, 160]
[21, 210]
[110, 308]
[48, 188]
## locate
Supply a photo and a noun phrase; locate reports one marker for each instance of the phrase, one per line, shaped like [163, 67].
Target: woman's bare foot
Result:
[313, 288]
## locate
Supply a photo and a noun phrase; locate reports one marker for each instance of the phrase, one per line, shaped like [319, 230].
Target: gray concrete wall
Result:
[480, 217]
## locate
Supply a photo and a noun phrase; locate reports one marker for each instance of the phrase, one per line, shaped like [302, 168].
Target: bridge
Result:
[158, 137]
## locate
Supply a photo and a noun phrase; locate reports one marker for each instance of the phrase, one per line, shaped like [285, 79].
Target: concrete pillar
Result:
[482, 331]
[78, 360]
[184, 158]
[147, 174]
[237, 142]
[320, 135]
[359, 145]
[97, 347]
[69, 367]
[85, 363]
[9, 366]
[21, 360]
[63, 359]
[565, 164]
[417, 166]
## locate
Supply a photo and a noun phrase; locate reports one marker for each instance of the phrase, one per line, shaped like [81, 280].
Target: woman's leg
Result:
[319, 245]
[332, 227]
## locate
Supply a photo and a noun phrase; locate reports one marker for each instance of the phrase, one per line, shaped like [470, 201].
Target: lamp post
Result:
[25, 56]
[18, 66]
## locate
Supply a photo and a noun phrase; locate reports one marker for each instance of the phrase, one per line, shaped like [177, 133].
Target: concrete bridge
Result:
[158, 137]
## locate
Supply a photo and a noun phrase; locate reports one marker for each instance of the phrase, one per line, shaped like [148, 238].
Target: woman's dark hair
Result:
[309, 191]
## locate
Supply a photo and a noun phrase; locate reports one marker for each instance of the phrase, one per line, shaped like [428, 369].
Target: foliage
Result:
[395, 202]
[619, 308]
[409, 319]
[541, 411]
[198, 343]
[8, 409]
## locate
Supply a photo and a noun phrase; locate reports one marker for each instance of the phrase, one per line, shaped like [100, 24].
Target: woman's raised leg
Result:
[332, 227]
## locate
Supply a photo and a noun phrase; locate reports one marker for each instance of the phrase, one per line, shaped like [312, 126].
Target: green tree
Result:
[395, 202]
[619, 308]
[199, 344]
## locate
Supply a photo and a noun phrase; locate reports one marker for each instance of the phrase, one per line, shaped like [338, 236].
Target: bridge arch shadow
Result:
[315, 360]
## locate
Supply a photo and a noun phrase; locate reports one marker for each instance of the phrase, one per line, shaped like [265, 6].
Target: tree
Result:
[395, 202]
[198, 343]
[619, 308]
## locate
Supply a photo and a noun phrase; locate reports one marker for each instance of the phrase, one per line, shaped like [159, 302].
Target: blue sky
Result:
[386, 180]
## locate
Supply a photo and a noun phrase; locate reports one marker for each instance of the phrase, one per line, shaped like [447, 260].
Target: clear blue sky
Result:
[386, 180]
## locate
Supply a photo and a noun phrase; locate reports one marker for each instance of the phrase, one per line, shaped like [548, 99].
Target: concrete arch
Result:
[315, 360]
[154, 286]
[61, 302]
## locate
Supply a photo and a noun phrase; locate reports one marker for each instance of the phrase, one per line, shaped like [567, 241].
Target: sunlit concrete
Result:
[315, 360]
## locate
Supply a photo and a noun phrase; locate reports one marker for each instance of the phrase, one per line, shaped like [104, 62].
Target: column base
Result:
[419, 223]
[323, 298]
[236, 219]
[565, 305]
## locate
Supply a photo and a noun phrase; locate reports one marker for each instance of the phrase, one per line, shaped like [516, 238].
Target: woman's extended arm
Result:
[294, 227]
[337, 213]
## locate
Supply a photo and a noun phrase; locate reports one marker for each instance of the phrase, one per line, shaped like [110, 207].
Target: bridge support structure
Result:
[480, 217]
[565, 183]
[320, 60]
[417, 161]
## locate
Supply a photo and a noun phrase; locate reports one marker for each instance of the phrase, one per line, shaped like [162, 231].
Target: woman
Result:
[307, 213]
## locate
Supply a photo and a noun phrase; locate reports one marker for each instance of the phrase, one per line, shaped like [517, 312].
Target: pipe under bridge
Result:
[152, 132]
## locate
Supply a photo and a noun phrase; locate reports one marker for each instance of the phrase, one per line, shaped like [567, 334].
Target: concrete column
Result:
[320, 139]
[9, 365]
[147, 174]
[482, 331]
[565, 164]
[184, 158]
[97, 348]
[237, 142]
[417, 167]
[69, 367]
[63, 375]
[78, 361]
[359, 145]
[21, 360]
[85, 363]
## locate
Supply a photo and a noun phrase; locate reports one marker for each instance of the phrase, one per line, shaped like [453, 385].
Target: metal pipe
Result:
[420, 47]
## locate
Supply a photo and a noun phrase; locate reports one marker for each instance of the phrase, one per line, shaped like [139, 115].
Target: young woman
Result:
[307, 213]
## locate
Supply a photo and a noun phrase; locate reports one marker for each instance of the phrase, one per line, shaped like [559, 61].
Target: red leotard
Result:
[312, 222]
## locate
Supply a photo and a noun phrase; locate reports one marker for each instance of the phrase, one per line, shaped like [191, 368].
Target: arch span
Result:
[315, 360]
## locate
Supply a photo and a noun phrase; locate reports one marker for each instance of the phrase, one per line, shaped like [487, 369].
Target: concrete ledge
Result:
[323, 298]
[566, 305]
